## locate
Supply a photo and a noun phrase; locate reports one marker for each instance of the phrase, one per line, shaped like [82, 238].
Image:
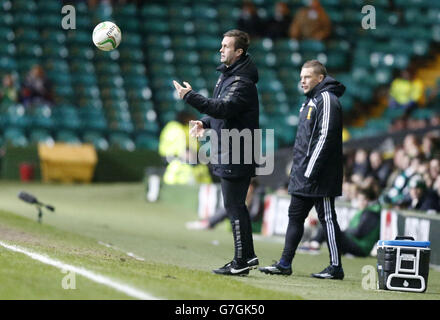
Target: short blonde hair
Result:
[317, 66]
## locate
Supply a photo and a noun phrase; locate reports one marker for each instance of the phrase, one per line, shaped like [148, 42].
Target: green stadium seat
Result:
[50, 6]
[148, 142]
[16, 116]
[6, 34]
[41, 117]
[121, 141]
[312, 46]
[67, 136]
[40, 136]
[154, 11]
[97, 139]
[155, 26]
[180, 11]
[23, 5]
[7, 64]
[15, 137]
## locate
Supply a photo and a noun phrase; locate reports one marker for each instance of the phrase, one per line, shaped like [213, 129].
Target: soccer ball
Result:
[106, 36]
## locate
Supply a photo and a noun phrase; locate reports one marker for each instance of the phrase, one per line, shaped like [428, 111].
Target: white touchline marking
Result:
[130, 291]
[130, 254]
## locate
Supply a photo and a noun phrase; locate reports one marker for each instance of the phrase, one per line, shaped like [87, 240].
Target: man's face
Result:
[309, 79]
[228, 54]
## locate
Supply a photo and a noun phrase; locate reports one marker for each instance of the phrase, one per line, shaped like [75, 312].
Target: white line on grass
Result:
[130, 291]
[130, 254]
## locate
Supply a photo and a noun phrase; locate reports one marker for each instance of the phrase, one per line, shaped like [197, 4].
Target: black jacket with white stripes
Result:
[317, 153]
[234, 105]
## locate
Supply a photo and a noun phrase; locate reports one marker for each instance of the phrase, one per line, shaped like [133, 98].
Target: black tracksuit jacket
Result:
[317, 153]
[234, 105]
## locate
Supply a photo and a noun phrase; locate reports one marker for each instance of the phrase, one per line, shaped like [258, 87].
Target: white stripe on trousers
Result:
[331, 236]
[323, 136]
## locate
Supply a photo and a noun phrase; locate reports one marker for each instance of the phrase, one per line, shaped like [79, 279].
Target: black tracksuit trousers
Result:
[234, 192]
[299, 209]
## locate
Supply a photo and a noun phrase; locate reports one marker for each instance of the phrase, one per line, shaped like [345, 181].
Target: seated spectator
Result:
[278, 25]
[36, 87]
[406, 92]
[399, 189]
[361, 166]
[380, 169]
[430, 146]
[411, 146]
[363, 231]
[249, 20]
[434, 169]
[435, 120]
[8, 91]
[311, 22]
[420, 197]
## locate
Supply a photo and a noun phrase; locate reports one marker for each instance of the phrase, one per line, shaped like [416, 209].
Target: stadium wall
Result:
[112, 166]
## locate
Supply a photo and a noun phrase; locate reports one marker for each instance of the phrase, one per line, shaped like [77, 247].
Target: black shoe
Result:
[233, 269]
[276, 268]
[331, 272]
[252, 262]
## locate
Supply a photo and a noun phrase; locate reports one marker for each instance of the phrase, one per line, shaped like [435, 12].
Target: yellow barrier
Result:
[67, 162]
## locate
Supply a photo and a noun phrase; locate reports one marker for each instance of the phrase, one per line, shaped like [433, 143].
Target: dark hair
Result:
[317, 66]
[241, 39]
[369, 193]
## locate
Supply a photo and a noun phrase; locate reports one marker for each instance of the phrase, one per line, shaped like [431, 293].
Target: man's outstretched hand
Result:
[182, 90]
[196, 128]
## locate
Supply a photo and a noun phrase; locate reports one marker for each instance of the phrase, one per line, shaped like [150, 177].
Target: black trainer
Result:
[331, 272]
[233, 269]
[252, 262]
[276, 268]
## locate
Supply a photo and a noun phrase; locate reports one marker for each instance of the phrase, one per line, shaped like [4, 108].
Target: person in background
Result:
[36, 87]
[406, 92]
[249, 21]
[363, 230]
[431, 146]
[254, 201]
[380, 169]
[176, 149]
[361, 166]
[399, 189]
[8, 91]
[277, 27]
[421, 197]
[310, 22]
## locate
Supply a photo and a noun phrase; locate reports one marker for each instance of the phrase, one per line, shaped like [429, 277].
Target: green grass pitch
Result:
[168, 261]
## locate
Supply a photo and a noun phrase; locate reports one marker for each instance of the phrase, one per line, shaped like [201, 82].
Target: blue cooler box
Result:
[403, 264]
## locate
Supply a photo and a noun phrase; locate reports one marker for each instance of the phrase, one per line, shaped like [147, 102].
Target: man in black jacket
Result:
[233, 108]
[316, 175]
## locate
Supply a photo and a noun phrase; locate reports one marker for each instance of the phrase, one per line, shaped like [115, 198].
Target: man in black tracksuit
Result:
[234, 106]
[316, 175]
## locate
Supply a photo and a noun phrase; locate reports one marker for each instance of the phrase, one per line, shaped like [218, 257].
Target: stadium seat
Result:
[97, 139]
[15, 137]
[149, 142]
[121, 141]
[67, 136]
[40, 135]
